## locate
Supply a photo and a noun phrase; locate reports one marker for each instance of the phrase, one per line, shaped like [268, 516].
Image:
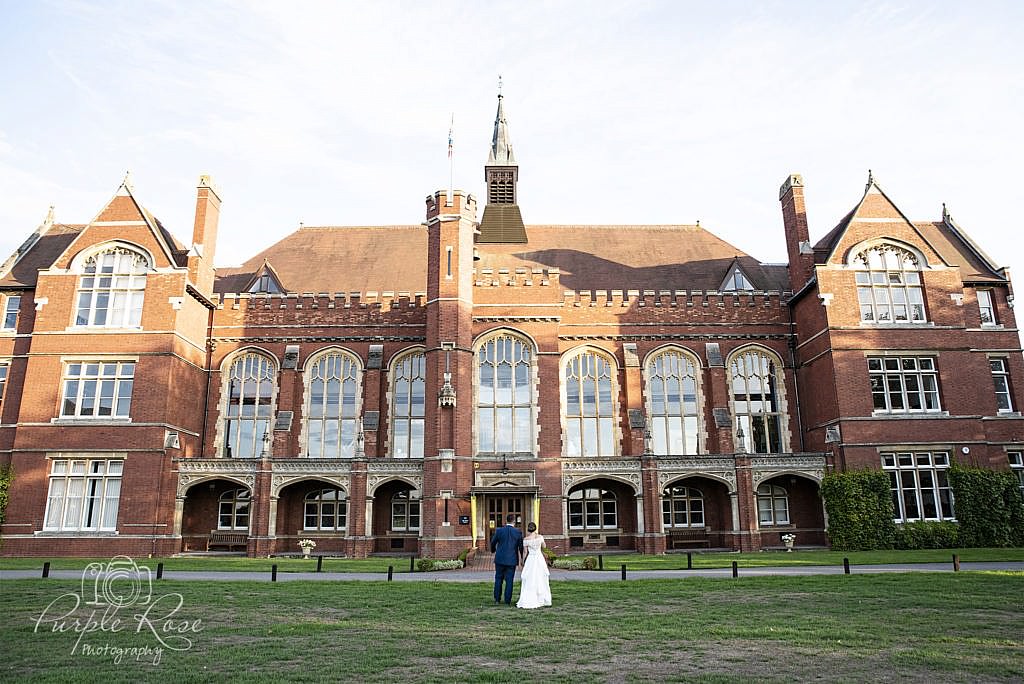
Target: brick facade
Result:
[622, 294]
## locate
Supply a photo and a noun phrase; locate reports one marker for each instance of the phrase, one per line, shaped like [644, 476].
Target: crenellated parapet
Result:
[678, 299]
[516, 277]
[351, 308]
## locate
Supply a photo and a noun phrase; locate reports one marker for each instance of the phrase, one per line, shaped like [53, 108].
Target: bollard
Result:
[159, 570]
[319, 563]
[46, 569]
[273, 572]
[600, 562]
[735, 569]
[689, 560]
[846, 566]
[412, 563]
[623, 571]
[956, 563]
[391, 572]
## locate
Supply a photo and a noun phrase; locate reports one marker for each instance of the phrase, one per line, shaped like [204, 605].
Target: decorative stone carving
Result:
[379, 473]
[575, 472]
[765, 468]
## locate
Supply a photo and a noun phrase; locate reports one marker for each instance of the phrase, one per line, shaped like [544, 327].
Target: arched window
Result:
[250, 394]
[405, 511]
[110, 291]
[772, 505]
[672, 403]
[333, 409]
[326, 509]
[889, 285]
[234, 510]
[756, 402]
[682, 507]
[589, 412]
[591, 508]
[407, 400]
[505, 396]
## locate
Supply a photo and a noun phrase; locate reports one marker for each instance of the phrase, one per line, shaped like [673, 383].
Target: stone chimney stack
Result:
[798, 242]
[204, 236]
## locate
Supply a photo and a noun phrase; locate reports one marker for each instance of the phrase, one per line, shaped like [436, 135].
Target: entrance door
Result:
[500, 506]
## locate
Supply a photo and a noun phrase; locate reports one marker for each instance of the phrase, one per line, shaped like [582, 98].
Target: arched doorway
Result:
[695, 513]
[313, 509]
[790, 504]
[601, 514]
[216, 516]
[396, 517]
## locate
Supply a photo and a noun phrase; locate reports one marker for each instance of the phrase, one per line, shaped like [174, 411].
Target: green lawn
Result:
[223, 564]
[915, 627]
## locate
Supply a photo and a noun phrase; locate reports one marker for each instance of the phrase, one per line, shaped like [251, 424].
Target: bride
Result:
[535, 590]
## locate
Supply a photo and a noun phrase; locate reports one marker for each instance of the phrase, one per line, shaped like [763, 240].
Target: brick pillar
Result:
[261, 542]
[749, 537]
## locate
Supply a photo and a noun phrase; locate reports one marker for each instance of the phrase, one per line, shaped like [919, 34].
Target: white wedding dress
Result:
[534, 592]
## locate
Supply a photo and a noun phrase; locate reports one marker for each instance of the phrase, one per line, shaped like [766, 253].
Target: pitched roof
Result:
[41, 254]
[394, 258]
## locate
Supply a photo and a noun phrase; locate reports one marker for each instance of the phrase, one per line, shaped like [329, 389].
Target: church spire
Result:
[502, 220]
[501, 143]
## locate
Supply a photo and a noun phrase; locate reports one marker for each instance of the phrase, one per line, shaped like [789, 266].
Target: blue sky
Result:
[620, 112]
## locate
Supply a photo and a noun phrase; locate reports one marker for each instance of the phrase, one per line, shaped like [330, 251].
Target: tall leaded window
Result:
[3, 384]
[84, 495]
[591, 508]
[682, 507]
[94, 389]
[902, 384]
[589, 413]
[326, 509]
[111, 289]
[407, 402]
[11, 305]
[1001, 380]
[1017, 467]
[889, 285]
[672, 403]
[772, 506]
[405, 511]
[920, 488]
[755, 380]
[986, 308]
[505, 396]
[333, 410]
[250, 395]
[233, 511]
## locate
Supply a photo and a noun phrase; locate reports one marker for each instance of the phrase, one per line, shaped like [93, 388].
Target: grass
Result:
[224, 564]
[914, 627]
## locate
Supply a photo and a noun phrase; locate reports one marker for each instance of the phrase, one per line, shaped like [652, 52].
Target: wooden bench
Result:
[227, 538]
[681, 538]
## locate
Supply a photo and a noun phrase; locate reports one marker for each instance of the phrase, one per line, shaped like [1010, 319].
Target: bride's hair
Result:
[532, 527]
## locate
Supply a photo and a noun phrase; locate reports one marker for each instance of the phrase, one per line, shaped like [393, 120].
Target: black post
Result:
[600, 562]
[320, 563]
[391, 572]
[689, 560]
[412, 563]
[159, 570]
[735, 569]
[46, 569]
[623, 571]
[956, 563]
[846, 566]
[273, 572]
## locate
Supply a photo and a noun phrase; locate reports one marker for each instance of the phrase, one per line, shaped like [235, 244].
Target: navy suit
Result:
[507, 545]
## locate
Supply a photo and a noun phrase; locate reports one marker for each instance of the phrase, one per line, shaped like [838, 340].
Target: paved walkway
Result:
[476, 575]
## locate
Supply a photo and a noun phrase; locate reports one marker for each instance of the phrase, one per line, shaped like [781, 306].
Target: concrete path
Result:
[473, 575]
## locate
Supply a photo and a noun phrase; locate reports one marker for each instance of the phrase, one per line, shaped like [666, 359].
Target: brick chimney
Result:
[204, 235]
[798, 243]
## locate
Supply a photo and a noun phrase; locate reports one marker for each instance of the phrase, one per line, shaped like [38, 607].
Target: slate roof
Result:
[41, 255]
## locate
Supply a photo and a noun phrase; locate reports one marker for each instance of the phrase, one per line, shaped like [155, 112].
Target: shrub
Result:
[465, 554]
[928, 534]
[549, 555]
[568, 563]
[860, 512]
[590, 563]
[428, 564]
[6, 478]
[988, 507]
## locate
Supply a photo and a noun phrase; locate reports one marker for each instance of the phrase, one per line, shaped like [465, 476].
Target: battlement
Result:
[383, 301]
[680, 299]
[516, 277]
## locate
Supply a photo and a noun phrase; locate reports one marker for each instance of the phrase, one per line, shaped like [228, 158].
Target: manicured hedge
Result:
[6, 478]
[860, 513]
[988, 507]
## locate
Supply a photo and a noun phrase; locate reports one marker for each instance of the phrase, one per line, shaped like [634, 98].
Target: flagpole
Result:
[451, 161]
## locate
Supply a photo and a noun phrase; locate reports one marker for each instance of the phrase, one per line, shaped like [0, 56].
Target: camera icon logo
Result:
[119, 583]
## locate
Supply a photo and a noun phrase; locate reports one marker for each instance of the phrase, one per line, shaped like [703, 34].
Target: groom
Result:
[507, 546]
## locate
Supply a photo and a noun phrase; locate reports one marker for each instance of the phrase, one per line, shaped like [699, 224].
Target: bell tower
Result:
[502, 221]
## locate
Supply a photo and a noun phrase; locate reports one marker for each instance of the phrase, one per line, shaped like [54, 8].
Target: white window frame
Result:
[112, 281]
[919, 479]
[1016, 459]
[331, 429]
[772, 506]
[890, 288]
[84, 495]
[12, 305]
[757, 397]
[86, 384]
[585, 502]
[314, 507]
[405, 507]
[986, 307]
[505, 415]
[683, 507]
[589, 425]
[900, 381]
[4, 367]
[672, 379]
[408, 405]
[1001, 383]
[247, 420]
[234, 505]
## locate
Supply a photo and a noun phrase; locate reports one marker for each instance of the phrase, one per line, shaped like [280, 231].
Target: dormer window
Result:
[111, 289]
[265, 283]
[889, 285]
[736, 280]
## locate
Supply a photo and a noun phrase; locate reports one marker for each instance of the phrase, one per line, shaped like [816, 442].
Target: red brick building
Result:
[402, 388]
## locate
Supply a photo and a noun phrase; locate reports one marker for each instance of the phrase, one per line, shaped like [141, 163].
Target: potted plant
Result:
[789, 539]
[307, 545]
